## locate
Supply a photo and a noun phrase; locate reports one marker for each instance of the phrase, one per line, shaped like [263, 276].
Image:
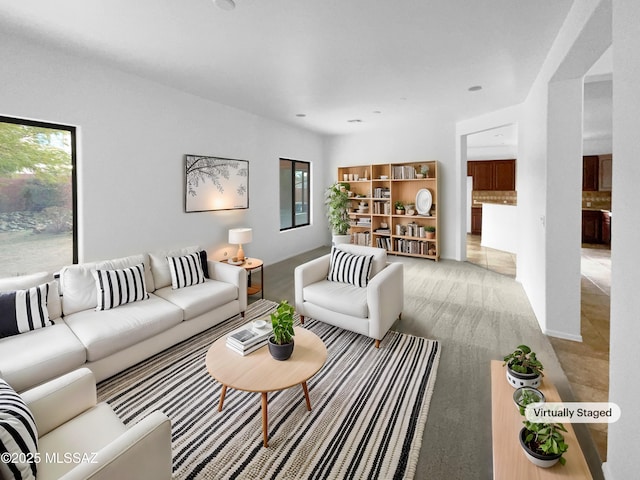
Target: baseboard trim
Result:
[563, 335]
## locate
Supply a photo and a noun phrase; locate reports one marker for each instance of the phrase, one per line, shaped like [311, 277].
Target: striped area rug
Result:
[369, 409]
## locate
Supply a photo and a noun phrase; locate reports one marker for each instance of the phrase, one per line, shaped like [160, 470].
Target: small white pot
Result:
[338, 239]
[544, 461]
[517, 380]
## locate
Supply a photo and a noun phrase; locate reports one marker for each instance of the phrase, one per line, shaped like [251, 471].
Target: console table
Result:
[509, 461]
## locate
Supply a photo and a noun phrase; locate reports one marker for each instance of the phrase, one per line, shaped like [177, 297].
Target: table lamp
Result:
[240, 236]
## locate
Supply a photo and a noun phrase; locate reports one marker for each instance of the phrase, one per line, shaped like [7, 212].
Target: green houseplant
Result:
[430, 231]
[523, 367]
[543, 443]
[337, 202]
[399, 206]
[281, 342]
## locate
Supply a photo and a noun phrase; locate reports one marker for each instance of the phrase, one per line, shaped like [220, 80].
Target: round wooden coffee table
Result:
[259, 372]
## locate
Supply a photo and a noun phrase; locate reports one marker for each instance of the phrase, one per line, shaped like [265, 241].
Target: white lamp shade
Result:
[240, 236]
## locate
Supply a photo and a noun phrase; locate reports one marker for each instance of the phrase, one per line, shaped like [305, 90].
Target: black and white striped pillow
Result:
[349, 268]
[24, 310]
[117, 287]
[185, 270]
[18, 436]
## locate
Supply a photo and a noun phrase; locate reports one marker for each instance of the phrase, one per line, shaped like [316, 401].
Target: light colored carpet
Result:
[369, 409]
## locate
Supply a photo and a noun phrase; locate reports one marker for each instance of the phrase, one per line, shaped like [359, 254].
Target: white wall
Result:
[133, 135]
[624, 389]
[428, 140]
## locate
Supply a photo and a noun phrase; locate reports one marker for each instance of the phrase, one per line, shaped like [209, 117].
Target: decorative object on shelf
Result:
[425, 171]
[430, 232]
[399, 206]
[424, 200]
[409, 209]
[337, 202]
[281, 342]
[543, 443]
[523, 368]
[240, 236]
[524, 396]
[213, 183]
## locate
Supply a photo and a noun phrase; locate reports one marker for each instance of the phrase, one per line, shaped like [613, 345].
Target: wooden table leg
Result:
[223, 392]
[265, 427]
[306, 395]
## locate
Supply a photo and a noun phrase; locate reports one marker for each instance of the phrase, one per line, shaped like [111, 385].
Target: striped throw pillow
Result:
[185, 270]
[18, 436]
[117, 287]
[349, 268]
[24, 310]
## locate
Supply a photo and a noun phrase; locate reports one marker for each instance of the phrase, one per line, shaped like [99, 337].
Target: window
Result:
[295, 181]
[37, 197]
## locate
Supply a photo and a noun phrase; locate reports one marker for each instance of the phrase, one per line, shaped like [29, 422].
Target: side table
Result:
[251, 264]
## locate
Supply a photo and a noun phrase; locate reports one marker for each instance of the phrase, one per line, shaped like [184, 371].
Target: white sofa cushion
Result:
[198, 299]
[18, 436]
[88, 432]
[79, 287]
[160, 265]
[379, 255]
[109, 331]
[338, 297]
[33, 280]
[33, 357]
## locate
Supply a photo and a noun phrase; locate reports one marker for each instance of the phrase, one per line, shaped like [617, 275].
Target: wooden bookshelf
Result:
[380, 186]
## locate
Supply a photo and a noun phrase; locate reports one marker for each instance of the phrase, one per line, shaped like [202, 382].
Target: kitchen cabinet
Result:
[493, 174]
[590, 173]
[606, 228]
[591, 226]
[476, 220]
[604, 173]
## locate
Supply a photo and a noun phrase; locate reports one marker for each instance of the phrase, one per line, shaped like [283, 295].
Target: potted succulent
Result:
[281, 342]
[337, 202]
[523, 368]
[399, 206]
[543, 443]
[430, 231]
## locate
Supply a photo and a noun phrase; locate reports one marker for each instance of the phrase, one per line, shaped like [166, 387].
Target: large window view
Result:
[37, 191]
[295, 189]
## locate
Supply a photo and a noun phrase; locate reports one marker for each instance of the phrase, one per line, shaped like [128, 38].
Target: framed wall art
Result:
[214, 183]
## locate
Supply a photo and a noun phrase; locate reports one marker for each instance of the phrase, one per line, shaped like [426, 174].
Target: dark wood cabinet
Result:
[504, 175]
[476, 220]
[493, 174]
[591, 226]
[590, 173]
[606, 228]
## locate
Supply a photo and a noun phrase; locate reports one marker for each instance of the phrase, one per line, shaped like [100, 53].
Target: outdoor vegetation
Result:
[36, 199]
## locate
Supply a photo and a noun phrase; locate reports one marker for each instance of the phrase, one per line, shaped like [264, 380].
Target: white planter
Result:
[544, 461]
[338, 239]
[517, 380]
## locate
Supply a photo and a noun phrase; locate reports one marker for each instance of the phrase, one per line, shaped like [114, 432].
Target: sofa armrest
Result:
[59, 400]
[310, 272]
[143, 451]
[237, 276]
[385, 298]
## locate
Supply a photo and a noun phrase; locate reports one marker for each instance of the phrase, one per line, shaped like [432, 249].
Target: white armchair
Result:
[80, 439]
[369, 310]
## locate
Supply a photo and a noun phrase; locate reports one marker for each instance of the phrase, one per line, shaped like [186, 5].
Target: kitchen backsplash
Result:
[600, 200]
[507, 197]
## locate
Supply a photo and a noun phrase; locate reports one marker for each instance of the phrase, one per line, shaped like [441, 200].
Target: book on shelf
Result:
[249, 338]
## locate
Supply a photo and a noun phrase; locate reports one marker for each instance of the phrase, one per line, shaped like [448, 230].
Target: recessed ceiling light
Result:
[225, 4]
[475, 88]
[301, 115]
[355, 120]
[377, 111]
[498, 135]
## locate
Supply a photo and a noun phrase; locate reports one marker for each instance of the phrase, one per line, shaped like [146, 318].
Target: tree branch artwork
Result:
[214, 183]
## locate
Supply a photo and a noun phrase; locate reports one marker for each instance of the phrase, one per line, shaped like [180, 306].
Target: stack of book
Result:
[249, 338]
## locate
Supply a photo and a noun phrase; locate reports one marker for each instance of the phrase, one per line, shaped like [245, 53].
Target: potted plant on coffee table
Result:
[523, 368]
[543, 443]
[281, 342]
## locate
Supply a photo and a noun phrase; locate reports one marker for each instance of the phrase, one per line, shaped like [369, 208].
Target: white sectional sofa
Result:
[108, 341]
